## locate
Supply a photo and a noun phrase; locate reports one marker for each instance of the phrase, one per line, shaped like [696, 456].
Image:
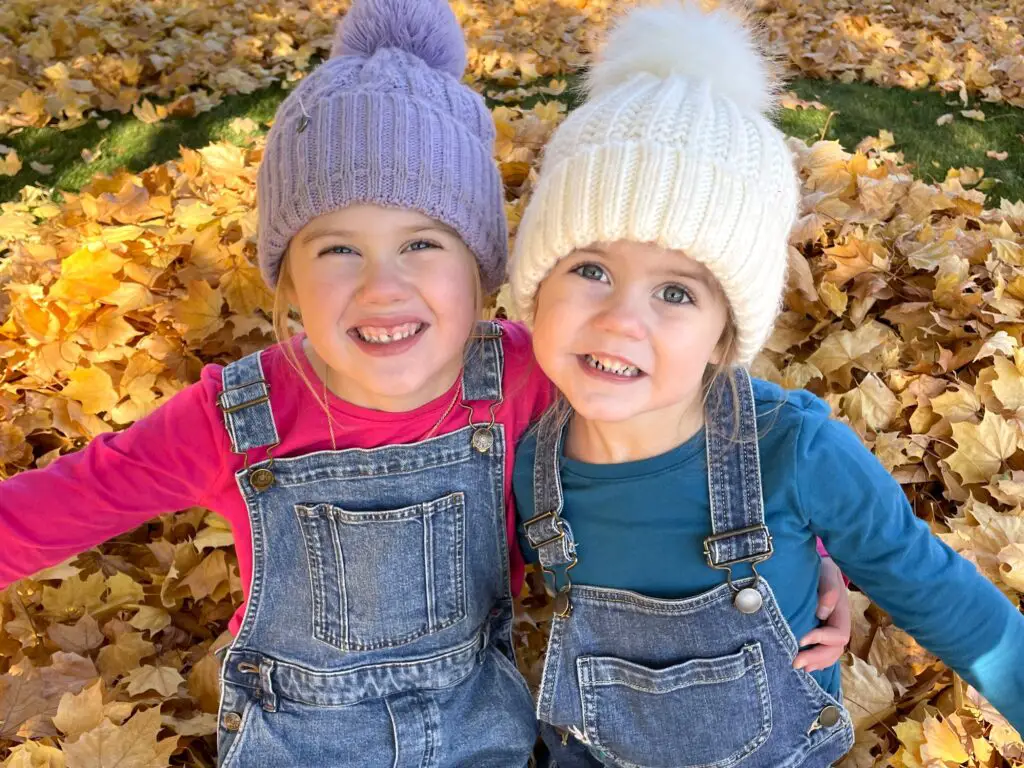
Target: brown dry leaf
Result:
[904, 313]
[32, 754]
[123, 655]
[81, 637]
[871, 404]
[132, 745]
[982, 448]
[81, 712]
[163, 680]
[866, 692]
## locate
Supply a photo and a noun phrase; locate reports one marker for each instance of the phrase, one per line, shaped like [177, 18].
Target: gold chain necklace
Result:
[330, 418]
[327, 408]
[458, 391]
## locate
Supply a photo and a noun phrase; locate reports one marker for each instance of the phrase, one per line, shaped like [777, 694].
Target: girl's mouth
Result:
[382, 339]
[608, 367]
[376, 334]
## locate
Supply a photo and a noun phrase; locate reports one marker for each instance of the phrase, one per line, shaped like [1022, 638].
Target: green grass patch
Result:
[130, 143]
[863, 110]
[857, 111]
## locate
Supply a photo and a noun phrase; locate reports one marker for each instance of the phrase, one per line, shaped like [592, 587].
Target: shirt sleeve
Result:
[526, 385]
[167, 461]
[930, 591]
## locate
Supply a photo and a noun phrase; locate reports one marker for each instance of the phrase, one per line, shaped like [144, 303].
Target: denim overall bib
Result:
[378, 628]
[705, 681]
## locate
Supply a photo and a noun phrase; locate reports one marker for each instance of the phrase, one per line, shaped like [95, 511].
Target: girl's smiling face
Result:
[626, 330]
[388, 299]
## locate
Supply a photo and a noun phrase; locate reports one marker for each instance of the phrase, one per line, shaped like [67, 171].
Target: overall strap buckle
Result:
[552, 538]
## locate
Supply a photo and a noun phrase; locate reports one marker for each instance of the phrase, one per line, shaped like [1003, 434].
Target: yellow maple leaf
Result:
[941, 743]
[1008, 384]
[149, 114]
[867, 692]
[87, 274]
[245, 290]
[199, 313]
[151, 619]
[871, 404]
[135, 744]
[75, 596]
[80, 712]
[163, 680]
[853, 258]
[833, 297]
[123, 655]
[982, 448]
[10, 165]
[93, 388]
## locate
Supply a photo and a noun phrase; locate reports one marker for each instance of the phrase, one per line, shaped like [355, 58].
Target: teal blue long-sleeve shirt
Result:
[640, 526]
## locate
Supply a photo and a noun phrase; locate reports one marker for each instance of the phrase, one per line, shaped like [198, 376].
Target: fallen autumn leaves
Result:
[904, 311]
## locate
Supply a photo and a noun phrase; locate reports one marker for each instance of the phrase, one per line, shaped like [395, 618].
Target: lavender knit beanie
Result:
[386, 121]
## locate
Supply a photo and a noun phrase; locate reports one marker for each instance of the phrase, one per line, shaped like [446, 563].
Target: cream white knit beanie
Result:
[672, 147]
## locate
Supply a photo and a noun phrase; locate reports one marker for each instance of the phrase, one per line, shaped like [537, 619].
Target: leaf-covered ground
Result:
[904, 311]
[61, 61]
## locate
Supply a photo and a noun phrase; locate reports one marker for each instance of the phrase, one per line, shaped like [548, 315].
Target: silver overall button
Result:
[829, 716]
[748, 600]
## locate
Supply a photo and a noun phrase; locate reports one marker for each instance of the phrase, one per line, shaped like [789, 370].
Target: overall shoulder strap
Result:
[739, 534]
[245, 403]
[547, 532]
[484, 364]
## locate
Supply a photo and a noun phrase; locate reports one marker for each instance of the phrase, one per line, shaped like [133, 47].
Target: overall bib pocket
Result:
[383, 578]
[672, 717]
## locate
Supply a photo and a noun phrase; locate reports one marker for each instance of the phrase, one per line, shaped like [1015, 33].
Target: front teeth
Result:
[375, 335]
[612, 366]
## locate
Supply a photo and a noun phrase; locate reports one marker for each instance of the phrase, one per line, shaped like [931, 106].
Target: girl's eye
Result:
[674, 294]
[591, 272]
[339, 249]
[422, 245]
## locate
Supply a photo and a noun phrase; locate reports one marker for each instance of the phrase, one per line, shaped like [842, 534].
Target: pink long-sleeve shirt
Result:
[180, 456]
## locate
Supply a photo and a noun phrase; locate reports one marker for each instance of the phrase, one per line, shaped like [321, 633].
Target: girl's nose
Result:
[621, 316]
[383, 283]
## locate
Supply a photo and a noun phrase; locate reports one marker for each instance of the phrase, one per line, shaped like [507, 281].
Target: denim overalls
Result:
[378, 628]
[702, 681]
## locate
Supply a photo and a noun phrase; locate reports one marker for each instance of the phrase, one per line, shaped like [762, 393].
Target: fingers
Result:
[827, 602]
[830, 588]
[817, 658]
[831, 636]
[841, 618]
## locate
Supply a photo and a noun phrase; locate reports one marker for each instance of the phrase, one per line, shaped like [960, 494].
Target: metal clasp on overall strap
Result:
[747, 600]
[260, 478]
[560, 578]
